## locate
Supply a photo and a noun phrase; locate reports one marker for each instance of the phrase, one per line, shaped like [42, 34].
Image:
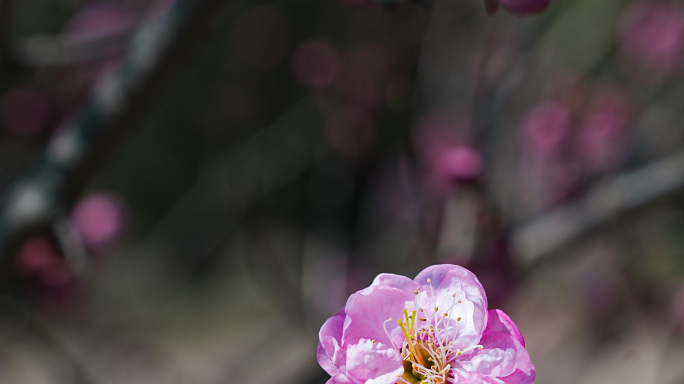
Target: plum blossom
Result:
[652, 37]
[434, 329]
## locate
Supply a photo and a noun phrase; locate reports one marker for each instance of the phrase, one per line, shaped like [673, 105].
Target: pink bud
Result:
[99, 21]
[437, 132]
[652, 37]
[98, 218]
[36, 255]
[462, 162]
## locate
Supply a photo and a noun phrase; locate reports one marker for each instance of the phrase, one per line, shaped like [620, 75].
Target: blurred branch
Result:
[606, 201]
[42, 51]
[70, 155]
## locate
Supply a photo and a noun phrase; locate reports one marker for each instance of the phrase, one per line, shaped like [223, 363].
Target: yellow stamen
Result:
[416, 356]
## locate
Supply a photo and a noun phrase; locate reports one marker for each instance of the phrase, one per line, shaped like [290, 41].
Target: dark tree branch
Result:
[605, 202]
[69, 157]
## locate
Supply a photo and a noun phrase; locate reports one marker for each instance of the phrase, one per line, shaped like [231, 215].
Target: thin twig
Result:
[68, 159]
[606, 201]
[42, 51]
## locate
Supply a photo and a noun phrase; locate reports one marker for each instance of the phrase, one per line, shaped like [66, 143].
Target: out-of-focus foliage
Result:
[292, 150]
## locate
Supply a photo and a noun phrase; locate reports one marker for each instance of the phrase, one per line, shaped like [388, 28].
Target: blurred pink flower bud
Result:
[545, 126]
[437, 132]
[40, 260]
[25, 111]
[441, 144]
[651, 36]
[462, 162]
[98, 218]
[36, 255]
[316, 63]
[99, 21]
[518, 6]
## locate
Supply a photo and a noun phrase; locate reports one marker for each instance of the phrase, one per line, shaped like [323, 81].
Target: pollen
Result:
[428, 348]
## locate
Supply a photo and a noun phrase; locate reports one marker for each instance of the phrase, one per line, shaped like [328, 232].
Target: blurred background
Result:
[190, 188]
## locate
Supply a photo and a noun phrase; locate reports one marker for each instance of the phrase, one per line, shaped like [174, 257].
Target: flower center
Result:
[429, 349]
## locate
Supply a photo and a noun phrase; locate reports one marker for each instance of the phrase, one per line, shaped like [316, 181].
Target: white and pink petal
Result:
[458, 293]
[330, 352]
[367, 312]
[372, 362]
[502, 333]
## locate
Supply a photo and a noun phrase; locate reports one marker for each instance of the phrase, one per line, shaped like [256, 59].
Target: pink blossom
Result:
[461, 162]
[435, 329]
[99, 218]
[518, 6]
[652, 36]
[99, 21]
